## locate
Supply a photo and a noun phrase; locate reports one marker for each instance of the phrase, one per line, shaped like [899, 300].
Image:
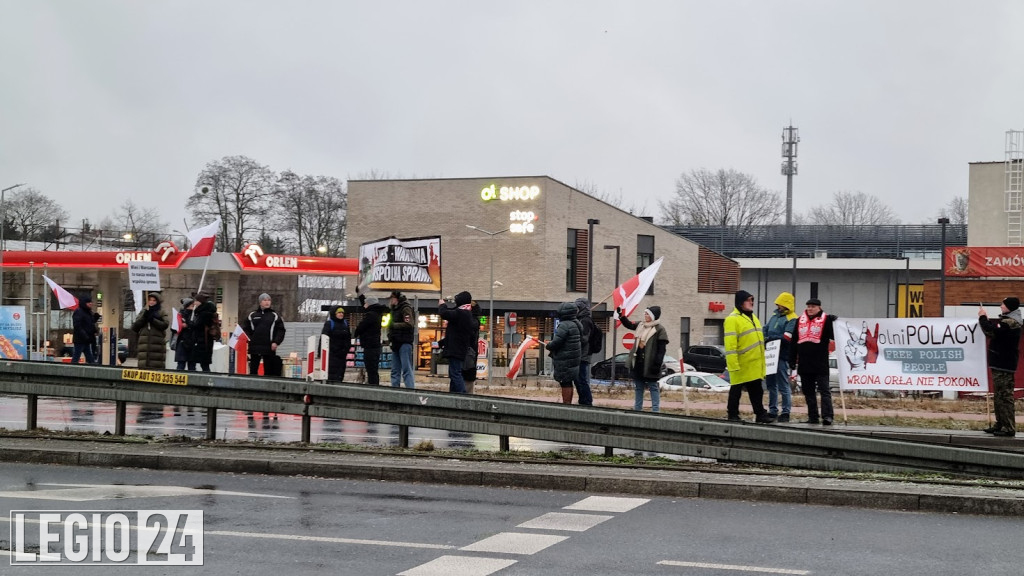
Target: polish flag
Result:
[632, 291]
[202, 239]
[176, 320]
[517, 361]
[66, 300]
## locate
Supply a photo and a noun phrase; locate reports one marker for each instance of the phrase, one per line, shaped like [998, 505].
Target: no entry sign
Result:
[511, 319]
[628, 340]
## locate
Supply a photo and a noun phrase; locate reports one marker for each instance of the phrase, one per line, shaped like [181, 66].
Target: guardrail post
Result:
[609, 451]
[211, 423]
[306, 421]
[32, 412]
[403, 436]
[120, 417]
[503, 444]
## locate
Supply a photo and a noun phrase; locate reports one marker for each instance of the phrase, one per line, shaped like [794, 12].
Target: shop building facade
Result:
[532, 235]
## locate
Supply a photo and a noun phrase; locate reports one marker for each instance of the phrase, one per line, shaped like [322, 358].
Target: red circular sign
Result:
[627, 340]
[511, 319]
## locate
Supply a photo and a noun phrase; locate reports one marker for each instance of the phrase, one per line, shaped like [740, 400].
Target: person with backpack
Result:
[565, 349]
[590, 331]
[151, 326]
[337, 330]
[265, 329]
[199, 322]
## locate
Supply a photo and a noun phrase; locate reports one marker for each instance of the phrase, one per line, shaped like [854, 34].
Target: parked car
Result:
[706, 358]
[694, 380]
[603, 370]
[833, 372]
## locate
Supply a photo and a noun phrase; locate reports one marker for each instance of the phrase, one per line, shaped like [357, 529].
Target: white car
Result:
[693, 380]
[833, 372]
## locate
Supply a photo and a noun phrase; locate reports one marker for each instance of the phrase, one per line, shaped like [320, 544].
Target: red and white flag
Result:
[176, 320]
[517, 361]
[632, 291]
[202, 239]
[66, 300]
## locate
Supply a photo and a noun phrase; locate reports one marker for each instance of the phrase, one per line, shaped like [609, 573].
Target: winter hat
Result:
[741, 297]
[654, 311]
[201, 297]
[786, 300]
[814, 302]
[463, 298]
[84, 299]
[1011, 303]
[371, 301]
[396, 294]
[336, 309]
[263, 297]
[186, 302]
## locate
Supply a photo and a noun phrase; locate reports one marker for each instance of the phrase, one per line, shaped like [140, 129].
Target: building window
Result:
[645, 255]
[576, 254]
[814, 290]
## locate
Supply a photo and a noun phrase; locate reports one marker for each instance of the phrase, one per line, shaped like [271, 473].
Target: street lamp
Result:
[490, 309]
[590, 259]
[3, 221]
[942, 279]
[614, 335]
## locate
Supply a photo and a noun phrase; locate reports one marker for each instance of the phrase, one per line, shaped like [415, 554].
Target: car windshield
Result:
[715, 380]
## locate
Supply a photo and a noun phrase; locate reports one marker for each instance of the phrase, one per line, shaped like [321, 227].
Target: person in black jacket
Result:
[336, 328]
[198, 322]
[588, 335]
[265, 329]
[460, 335]
[84, 323]
[368, 334]
[1002, 359]
[808, 358]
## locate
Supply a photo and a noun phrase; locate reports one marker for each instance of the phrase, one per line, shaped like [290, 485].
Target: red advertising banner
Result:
[974, 262]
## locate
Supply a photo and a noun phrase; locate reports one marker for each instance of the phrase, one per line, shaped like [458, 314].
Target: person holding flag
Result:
[84, 323]
[184, 339]
[647, 355]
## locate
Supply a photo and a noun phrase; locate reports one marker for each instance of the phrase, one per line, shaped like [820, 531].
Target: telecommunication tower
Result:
[790, 139]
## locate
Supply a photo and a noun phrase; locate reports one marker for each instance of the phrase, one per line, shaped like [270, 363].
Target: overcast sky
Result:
[102, 101]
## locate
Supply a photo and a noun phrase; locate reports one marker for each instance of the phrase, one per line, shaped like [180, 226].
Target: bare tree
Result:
[721, 198]
[955, 210]
[591, 189]
[239, 191]
[143, 224]
[853, 209]
[30, 212]
[315, 212]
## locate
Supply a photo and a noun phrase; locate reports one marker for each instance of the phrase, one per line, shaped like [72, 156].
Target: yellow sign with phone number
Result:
[155, 377]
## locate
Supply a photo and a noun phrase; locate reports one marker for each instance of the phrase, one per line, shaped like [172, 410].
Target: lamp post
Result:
[490, 307]
[942, 267]
[3, 222]
[615, 338]
[590, 259]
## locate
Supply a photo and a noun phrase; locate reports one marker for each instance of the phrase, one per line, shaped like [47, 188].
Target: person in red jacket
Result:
[809, 359]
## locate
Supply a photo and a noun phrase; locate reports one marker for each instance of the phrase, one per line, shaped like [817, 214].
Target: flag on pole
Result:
[201, 240]
[632, 291]
[235, 335]
[64, 298]
[517, 361]
[176, 320]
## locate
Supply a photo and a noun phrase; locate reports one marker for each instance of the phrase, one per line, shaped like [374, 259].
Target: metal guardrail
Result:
[503, 417]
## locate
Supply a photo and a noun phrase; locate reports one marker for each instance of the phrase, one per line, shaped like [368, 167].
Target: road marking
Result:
[87, 492]
[732, 567]
[515, 543]
[298, 537]
[566, 522]
[461, 565]
[607, 504]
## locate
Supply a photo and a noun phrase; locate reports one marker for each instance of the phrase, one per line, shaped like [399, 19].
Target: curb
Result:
[871, 494]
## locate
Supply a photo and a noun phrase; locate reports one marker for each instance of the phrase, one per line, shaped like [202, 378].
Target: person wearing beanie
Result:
[367, 337]
[265, 329]
[84, 327]
[646, 356]
[744, 358]
[183, 339]
[151, 325]
[565, 348]
[808, 359]
[781, 326]
[340, 337]
[401, 330]
[200, 318]
[459, 336]
[1003, 348]
[591, 334]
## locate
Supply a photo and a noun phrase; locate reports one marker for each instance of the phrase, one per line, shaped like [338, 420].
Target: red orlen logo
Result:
[16, 316]
[165, 250]
[253, 252]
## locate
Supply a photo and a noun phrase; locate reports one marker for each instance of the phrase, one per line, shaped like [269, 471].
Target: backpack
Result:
[214, 329]
[596, 340]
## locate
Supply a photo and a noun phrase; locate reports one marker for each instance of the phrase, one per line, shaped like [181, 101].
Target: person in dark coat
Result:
[566, 350]
[473, 353]
[183, 339]
[151, 325]
[84, 324]
[401, 331]
[459, 336]
[198, 322]
[336, 328]
[1004, 333]
[809, 359]
[265, 329]
[646, 356]
[368, 334]
[588, 326]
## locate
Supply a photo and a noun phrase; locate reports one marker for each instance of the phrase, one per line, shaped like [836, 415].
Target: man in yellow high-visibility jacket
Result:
[744, 357]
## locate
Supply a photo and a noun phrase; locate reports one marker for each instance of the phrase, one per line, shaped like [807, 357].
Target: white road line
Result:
[732, 567]
[391, 543]
[460, 565]
[566, 522]
[607, 504]
[515, 543]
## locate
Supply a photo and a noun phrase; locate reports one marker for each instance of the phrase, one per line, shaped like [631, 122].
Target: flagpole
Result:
[201, 280]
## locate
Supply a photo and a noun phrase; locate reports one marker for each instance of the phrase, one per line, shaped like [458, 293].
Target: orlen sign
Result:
[509, 193]
[126, 257]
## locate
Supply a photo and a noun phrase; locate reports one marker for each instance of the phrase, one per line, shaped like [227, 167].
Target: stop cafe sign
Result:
[627, 340]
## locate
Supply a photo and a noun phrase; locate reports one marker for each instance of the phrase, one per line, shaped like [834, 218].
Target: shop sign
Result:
[509, 193]
[521, 222]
